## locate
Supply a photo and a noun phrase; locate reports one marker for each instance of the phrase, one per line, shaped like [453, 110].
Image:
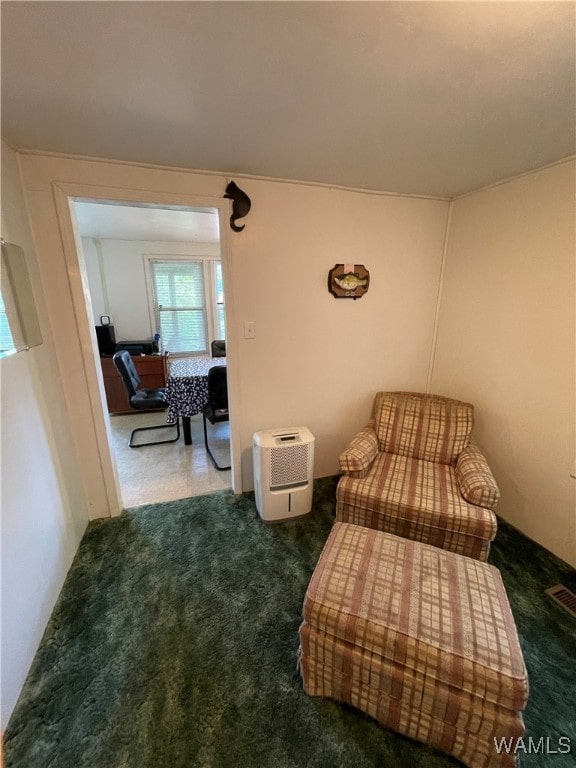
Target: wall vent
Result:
[561, 595]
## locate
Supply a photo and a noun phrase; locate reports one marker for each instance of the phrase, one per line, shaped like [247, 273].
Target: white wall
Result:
[506, 342]
[117, 279]
[316, 360]
[44, 512]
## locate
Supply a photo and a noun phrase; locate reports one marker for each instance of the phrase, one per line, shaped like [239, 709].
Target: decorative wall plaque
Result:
[348, 281]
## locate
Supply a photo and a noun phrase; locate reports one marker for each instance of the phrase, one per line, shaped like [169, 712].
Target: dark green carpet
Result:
[174, 644]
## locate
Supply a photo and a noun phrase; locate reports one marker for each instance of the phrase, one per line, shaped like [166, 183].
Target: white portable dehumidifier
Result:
[283, 472]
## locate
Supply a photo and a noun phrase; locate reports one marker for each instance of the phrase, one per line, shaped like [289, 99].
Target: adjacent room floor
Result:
[158, 473]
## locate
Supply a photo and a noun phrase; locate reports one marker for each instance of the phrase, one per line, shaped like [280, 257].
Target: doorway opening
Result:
[127, 252]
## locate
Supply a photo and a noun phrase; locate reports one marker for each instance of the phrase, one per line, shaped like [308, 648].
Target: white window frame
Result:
[217, 333]
[211, 308]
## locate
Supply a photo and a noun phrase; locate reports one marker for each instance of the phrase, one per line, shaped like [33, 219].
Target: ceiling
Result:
[146, 222]
[429, 98]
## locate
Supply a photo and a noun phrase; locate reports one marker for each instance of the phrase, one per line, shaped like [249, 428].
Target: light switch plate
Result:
[249, 329]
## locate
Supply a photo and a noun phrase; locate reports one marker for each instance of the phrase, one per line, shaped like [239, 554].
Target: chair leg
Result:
[208, 451]
[158, 442]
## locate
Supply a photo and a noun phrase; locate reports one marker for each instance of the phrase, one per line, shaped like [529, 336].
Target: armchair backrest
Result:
[429, 427]
[127, 370]
[218, 388]
[218, 348]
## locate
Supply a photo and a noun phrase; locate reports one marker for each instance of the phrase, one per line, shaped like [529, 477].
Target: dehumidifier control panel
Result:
[283, 439]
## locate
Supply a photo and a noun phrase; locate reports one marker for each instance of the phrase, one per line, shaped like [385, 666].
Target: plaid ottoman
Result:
[419, 638]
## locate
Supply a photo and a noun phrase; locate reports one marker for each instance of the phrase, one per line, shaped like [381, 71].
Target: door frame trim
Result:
[65, 194]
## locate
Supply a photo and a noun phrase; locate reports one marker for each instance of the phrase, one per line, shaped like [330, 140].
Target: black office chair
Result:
[142, 399]
[217, 409]
[218, 348]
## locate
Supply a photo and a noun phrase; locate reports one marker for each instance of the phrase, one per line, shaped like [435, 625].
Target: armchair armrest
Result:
[357, 459]
[475, 480]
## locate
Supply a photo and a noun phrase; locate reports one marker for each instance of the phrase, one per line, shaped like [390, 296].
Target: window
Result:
[19, 326]
[188, 303]
[220, 306]
[6, 340]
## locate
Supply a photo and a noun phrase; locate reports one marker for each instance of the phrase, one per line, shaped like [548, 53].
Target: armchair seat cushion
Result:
[416, 499]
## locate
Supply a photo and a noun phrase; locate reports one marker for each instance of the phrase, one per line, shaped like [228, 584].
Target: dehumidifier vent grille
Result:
[289, 465]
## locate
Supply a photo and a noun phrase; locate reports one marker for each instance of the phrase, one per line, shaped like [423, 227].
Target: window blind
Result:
[220, 306]
[6, 340]
[180, 305]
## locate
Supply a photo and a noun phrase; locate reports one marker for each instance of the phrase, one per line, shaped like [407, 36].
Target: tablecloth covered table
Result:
[187, 388]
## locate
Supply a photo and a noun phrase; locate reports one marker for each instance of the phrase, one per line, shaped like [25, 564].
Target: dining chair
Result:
[218, 348]
[142, 399]
[217, 409]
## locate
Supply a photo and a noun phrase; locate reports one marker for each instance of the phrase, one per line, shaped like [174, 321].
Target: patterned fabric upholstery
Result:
[429, 427]
[360, 453]
[447, 503]
[475, 479]
[421, 639]
[418, 500]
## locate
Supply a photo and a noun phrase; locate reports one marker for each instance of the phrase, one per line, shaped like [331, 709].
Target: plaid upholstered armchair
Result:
[414, 472]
